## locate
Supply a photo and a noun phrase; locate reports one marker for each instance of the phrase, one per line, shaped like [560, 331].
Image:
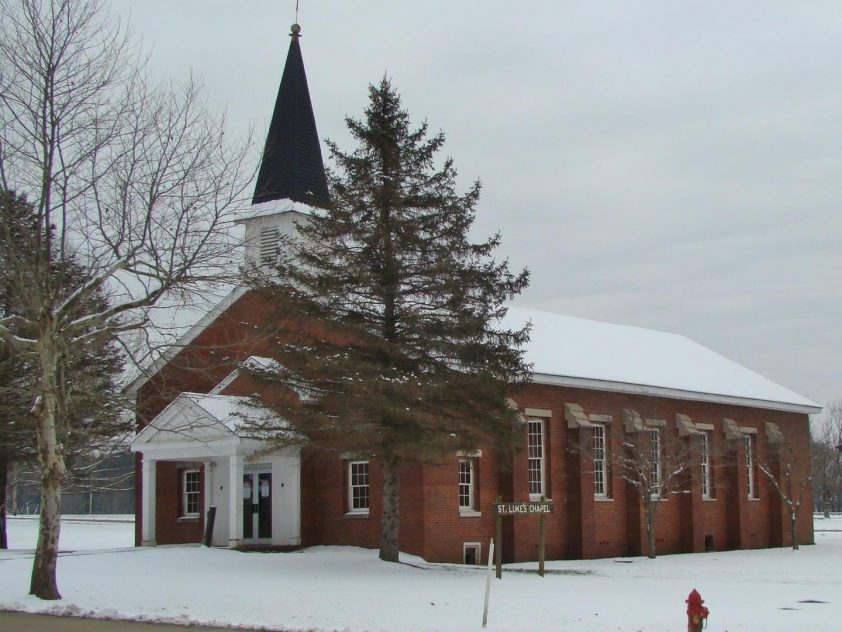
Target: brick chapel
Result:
[593, 384]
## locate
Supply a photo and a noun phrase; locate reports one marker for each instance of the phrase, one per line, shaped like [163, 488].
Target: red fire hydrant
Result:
[697, 614]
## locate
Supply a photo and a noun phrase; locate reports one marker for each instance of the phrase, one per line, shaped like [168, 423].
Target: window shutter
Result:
[269, 238]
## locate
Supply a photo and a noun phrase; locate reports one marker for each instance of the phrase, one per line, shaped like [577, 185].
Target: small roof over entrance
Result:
[205, 424]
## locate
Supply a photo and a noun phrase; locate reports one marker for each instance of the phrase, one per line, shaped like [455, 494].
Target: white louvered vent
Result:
[269, 243]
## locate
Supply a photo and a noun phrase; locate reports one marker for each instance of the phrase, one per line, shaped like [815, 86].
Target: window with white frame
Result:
[535, 450]
[467, 485]
[358, 487]
[472, 553]
[704, 460]
[190, 493]
[751, 483]
[655, 462]
[600, 461]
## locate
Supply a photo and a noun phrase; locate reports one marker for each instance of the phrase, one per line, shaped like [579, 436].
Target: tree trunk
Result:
[51, 461]
[793, 521]
[14, 468]
[650, 528]
[4, 470]
[390, 521]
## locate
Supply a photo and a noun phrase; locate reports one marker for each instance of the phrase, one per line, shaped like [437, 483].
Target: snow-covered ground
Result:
[78, 533]
[335, 588]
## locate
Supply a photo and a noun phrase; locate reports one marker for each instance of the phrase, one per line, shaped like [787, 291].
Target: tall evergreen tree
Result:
[16, 378]
[90, 422]
[391, 334]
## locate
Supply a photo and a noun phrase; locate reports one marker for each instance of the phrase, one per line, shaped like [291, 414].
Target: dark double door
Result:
[257, 506]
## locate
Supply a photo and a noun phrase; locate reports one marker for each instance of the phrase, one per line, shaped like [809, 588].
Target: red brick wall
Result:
[616, 527]
[324, 504]
[446, 529]
[170, 526]
[431, 524]
[242, 330]
[581, 526]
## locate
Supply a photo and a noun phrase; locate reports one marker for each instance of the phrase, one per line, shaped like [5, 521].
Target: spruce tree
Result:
[389, 333]
[91, 423]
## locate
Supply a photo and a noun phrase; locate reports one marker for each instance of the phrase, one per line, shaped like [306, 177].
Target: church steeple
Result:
[292, 166]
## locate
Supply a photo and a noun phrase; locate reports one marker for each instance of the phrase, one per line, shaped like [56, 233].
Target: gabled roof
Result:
[583, 353]
[252, 363]
[591, 354]
[292, 166]
[201, 417]
[160, 361]
[231, 410]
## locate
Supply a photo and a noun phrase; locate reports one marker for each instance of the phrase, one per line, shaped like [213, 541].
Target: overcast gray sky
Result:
[671, 165]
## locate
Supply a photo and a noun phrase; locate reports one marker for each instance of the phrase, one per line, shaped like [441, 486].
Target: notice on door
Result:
[247, 490]
[264, 489]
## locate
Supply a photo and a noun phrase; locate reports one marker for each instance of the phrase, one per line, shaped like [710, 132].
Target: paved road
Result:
[18, 622]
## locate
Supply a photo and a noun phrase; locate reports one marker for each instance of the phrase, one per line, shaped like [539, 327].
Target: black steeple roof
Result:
[292, 164]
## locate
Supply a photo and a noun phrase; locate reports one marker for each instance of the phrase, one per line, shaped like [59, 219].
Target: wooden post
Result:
[211, 518]
[488, 583]
[543, 525]
[498, 538]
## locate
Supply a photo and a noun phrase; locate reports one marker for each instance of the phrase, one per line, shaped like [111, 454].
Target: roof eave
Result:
[185, 339]
[271, 213]
[671, 393]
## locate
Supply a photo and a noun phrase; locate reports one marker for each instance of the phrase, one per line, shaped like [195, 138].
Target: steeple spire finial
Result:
[292, 166]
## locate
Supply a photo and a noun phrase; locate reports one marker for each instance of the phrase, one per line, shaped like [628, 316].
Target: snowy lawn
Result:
[335, 588]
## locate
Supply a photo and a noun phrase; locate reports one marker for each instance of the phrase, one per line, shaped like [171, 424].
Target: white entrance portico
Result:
[257, 495]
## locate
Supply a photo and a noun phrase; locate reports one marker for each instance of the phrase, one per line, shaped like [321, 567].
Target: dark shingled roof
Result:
[292, 164]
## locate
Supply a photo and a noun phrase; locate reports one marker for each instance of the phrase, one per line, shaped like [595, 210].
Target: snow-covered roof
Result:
[184, 339]
[259, 363]
[272, 207]
[211, 420]
[571, 351]
[593, 354]
[252, 363]
[230, 410]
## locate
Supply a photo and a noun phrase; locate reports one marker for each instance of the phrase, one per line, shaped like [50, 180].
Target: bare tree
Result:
[827, 470]
[136, 182]
[656, 462]
[787, 465]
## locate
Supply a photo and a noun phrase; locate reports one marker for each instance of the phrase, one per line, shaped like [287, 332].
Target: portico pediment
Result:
[200, 420]
[184, 420]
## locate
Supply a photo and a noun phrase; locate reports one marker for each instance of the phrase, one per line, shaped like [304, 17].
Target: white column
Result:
[235, 503]
[147, 529]
[208, 493]
[209, 465]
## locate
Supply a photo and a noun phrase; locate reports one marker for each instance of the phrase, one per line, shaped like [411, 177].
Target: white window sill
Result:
[357, 515]
[194, 518]
[708, 499]
[469, 513]
[603, 499]
[536, 498]
[753, 499]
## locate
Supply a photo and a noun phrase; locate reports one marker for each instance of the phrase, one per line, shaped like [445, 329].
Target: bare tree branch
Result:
[136, 183]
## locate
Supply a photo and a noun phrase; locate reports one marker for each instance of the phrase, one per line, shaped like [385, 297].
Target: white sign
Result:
[514, 509]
